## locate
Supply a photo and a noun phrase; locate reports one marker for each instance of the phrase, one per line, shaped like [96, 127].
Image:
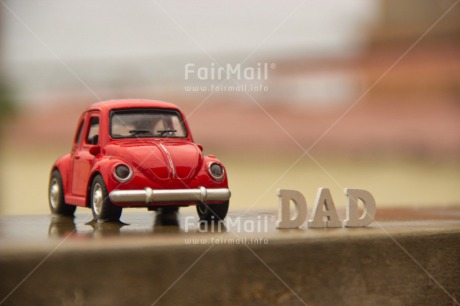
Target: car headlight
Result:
[123, 173]
[216, 171]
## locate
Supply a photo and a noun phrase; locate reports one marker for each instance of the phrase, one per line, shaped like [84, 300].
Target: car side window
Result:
[93, 133]
[80, 131]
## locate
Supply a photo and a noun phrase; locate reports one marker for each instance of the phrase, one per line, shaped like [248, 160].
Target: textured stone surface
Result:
[55, 262]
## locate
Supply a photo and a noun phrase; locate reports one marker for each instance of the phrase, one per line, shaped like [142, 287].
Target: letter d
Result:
[284, 216]
[353, 220]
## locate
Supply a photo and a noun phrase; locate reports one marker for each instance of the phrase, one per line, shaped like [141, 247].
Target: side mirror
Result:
[94, 150]
[200, 147]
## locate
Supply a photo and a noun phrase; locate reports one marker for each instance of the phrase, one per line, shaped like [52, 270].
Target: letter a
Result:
[284, 216]
[353, 220]
[324, 198]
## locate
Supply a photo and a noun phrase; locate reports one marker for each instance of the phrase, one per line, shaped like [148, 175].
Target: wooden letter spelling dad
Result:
[324, 213]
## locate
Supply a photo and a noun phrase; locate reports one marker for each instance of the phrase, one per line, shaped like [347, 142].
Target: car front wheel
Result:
[56, 196]
[100, 203]
[212, 212]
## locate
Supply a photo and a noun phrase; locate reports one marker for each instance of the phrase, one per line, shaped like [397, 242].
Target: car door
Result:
[82, 159]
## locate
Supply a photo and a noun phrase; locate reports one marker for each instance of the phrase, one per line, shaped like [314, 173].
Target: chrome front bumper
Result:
[149, 195]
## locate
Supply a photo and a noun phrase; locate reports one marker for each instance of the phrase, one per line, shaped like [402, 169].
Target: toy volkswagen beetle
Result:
[137, 153]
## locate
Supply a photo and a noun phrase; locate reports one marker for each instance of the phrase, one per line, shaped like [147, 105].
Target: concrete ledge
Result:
[403, 263]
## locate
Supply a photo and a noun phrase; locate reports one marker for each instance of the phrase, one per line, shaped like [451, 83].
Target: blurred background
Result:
[359, 93]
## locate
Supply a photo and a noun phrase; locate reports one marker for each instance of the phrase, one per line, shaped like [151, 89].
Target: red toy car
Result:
[137, 153]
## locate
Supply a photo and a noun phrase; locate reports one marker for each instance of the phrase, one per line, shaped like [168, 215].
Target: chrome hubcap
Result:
[54, 193]
[97, 199]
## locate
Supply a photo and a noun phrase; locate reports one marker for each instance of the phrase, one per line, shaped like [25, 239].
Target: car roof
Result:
[130, 103]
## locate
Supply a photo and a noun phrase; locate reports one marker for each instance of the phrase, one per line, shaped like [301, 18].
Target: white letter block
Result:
[284, 216]
[324, 198]
[353, 220]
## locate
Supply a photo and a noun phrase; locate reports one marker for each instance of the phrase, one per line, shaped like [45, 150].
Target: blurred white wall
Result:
[107, 43]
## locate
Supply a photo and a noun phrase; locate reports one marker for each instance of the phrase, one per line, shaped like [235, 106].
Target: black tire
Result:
[103, 209]
[215, 212]
[56, 196]
[168, 209]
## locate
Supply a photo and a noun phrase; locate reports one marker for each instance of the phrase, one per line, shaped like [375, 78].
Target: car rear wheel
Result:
[101, 206]
[212, 212]
[56, 196]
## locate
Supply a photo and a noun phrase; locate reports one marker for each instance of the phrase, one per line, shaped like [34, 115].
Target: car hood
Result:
[160, 159]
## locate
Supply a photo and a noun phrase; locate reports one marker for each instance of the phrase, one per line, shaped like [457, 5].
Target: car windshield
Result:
[141, 123]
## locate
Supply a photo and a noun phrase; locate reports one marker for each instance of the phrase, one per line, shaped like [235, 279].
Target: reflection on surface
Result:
[135, 228]
[165, 221]
[101, 229]
[61, 226]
